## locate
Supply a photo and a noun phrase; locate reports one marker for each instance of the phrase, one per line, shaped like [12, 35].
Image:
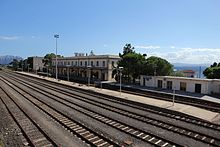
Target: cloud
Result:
[147, 47]
[9, 37]
[172, 47]
[190, 55]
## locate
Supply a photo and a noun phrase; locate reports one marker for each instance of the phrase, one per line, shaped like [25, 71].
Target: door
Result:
[144, 80]
[198, 88]
[103, 76]
[159, 83]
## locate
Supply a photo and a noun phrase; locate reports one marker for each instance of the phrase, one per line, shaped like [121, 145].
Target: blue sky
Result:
[186, 31]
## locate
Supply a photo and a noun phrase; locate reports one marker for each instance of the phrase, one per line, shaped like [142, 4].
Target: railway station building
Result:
[34, 63]
[81, 67]
[195, 85]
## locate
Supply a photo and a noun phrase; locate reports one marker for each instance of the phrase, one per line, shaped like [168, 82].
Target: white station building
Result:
[195, 85]
[98, 67]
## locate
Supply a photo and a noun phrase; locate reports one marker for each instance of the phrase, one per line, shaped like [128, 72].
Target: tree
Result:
[134, 64]
[157, 66]
[48, 59]
[212, 72]
[15, 64]
[127, 49]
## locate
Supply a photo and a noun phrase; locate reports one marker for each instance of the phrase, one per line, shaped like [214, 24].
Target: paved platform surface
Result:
[187, 109]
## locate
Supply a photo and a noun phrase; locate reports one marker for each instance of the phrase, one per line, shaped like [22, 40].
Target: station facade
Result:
[195, 85]
[96, 67]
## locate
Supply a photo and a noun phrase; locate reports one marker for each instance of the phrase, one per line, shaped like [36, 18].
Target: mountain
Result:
[8, 59]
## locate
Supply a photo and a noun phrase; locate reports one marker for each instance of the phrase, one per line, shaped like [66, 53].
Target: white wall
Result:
[207, 85]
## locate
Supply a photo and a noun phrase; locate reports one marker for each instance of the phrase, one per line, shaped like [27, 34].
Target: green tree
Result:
[48, 59]
[135, 64]
[157, 66]
[212, 72]
[15, 64]
[132, 64]
[127, 49]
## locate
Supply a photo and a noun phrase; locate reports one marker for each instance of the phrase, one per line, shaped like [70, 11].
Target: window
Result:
[97, 63]
[169, 84]
[159, 83]
[64, 62]
[183, 86]
[103, 63]
[91, 63]
[76, 63]
[68, 63]
[72, 63]
[81, 63]
[85, 63]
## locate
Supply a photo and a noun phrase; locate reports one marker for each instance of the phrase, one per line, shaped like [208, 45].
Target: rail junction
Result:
[47, 113]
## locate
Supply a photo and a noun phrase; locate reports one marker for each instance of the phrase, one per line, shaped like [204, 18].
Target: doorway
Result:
[198, 88]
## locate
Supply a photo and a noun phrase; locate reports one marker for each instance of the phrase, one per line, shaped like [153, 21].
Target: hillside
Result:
[8, 58]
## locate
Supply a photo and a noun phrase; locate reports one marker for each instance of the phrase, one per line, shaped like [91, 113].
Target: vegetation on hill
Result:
[135, 64]
[212, 72]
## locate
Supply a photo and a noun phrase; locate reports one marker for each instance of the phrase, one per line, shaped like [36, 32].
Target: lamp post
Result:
[68, 75]
[56, 36]
[120, 73]
[28, 67]
[88, 74]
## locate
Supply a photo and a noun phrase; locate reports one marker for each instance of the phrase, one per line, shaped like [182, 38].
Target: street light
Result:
[56, 36]
[89, 74]
[28, 67]
[68, 78]
[120, 73]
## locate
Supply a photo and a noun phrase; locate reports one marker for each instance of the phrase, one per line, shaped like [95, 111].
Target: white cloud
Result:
[172, 47]
[147, 47]
[9, 37]
[190, 55]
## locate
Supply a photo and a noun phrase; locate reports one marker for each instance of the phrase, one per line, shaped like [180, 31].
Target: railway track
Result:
[137, 133]
[180, 130]
[168, 113]
[87, 135]
[33, 135]
[212, 106]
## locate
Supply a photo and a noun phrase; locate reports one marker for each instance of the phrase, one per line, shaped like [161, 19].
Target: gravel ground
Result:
[10, 133]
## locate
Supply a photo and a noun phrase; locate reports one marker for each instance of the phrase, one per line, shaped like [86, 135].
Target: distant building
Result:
[34, 63]
[204, 86]
[80, 67]
[188, 73]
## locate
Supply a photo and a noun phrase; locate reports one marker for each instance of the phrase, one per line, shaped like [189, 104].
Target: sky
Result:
[180, 31]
